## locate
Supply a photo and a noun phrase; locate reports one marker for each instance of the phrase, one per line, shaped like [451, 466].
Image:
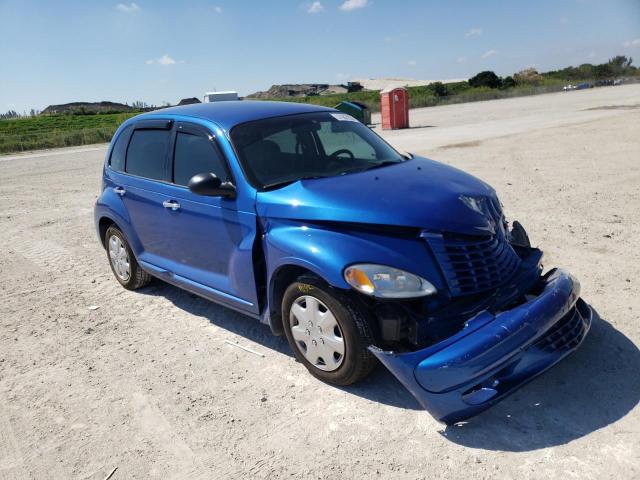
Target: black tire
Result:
[137, 278]
[356, 331]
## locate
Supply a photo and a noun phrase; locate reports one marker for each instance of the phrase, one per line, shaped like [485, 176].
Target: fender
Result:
[327, 250]
[109, 205]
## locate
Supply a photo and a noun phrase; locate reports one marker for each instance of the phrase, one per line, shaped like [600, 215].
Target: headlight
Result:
[386, 282]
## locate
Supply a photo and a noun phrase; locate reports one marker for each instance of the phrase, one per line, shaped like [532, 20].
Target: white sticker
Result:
[343, 117]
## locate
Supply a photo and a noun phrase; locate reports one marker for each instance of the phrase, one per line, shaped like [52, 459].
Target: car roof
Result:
[227, 114]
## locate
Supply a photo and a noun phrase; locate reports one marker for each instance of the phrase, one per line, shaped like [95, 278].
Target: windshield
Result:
[277, 151]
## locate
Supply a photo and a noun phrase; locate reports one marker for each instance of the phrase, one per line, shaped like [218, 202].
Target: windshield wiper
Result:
[385, 163]
[275, 185]
[371, 167]
[284, 183]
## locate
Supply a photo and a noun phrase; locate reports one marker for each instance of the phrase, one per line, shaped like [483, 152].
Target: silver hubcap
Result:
[119, 258]
[317, 333]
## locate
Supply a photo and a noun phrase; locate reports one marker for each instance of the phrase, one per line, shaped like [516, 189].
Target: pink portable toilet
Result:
[394, 108]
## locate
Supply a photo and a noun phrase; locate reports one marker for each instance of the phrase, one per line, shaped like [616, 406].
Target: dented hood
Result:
[418, 193]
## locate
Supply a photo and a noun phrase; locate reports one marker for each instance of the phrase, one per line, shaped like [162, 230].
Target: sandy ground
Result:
[145, 382]
[381, 83]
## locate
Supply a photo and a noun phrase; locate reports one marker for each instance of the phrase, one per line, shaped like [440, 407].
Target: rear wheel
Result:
[327, 331]
[123, 263]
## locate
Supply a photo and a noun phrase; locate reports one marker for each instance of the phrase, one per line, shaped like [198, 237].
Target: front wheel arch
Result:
[283, 276]
[280, 280]
[353, 321]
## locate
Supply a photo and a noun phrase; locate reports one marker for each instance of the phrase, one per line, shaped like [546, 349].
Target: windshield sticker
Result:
[343, 117]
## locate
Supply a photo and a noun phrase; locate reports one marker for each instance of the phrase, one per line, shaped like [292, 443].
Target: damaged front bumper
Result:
[494, 354]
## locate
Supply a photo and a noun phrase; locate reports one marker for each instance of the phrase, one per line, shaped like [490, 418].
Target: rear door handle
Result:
[119, 190]
[172, 204]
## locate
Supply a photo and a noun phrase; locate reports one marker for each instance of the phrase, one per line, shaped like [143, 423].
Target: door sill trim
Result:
[163, 273]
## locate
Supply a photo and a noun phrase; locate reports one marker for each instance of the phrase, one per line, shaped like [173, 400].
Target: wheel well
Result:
[280, 280]
[103, 226]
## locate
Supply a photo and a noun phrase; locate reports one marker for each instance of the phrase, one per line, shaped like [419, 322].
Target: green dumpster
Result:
[357, 110]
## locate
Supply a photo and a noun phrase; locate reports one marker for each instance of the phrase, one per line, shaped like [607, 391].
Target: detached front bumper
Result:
[494, 354]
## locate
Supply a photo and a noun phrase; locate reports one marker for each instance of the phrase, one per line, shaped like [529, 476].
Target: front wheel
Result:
[327, 331]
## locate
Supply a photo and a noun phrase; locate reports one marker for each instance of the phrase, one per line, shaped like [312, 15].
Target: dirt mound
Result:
[300, 90]
[87, 107]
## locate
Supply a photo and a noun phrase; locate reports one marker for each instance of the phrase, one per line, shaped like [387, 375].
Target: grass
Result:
[424, 96]
[50, 131]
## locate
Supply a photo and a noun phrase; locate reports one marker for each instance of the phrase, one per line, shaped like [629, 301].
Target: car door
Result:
[141, 185]
[209, 241]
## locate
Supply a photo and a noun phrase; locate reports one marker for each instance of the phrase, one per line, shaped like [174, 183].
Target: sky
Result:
[159, 51]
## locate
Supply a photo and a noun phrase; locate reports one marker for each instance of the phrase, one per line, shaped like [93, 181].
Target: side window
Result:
[119, 151]
[147, 152]
[196, 154]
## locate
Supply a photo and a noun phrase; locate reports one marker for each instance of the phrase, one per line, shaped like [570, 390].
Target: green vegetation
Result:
[485, 79]
[488, 86]
[81, 126]
[618, 66]
[49, 131]
[432, 95]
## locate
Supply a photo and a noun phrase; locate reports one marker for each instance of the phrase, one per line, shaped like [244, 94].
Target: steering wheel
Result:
[333, 158]
[334, 155]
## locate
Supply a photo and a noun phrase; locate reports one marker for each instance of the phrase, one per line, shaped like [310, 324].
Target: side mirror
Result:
[211, 186]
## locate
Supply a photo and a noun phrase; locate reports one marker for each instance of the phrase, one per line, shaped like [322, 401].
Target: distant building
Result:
[220, 96]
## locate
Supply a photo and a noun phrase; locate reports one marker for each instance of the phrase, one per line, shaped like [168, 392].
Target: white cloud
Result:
[166, 60]
[315, 7]
[488, 53]
[461, 59]
[473, 32]
[163, 60]
[632, 43]
[128, 8]
[412, 63]
[563, 20]
[353, 5]
[592, 54]
[217, 9]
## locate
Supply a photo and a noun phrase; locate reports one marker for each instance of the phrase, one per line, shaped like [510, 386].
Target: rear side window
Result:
[196, 154]
[119, 151]
[147, 153]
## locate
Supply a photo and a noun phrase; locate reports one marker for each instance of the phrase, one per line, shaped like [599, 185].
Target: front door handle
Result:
[119, 190]
[172, 204]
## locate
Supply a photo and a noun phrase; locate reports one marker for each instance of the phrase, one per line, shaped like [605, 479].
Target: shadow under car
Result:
[592, 388]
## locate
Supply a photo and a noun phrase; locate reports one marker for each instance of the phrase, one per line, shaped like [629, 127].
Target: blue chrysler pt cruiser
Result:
[305, 219]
